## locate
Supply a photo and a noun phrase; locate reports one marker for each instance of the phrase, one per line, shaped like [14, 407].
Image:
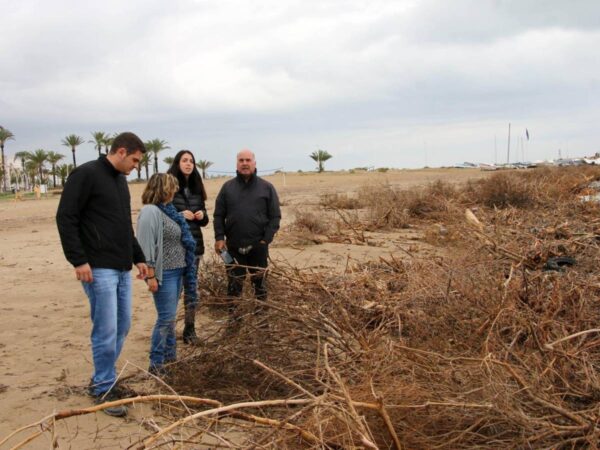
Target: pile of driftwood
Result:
[495, 344]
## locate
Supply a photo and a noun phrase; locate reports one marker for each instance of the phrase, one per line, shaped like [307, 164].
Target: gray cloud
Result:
[487, 20]
[377, 82]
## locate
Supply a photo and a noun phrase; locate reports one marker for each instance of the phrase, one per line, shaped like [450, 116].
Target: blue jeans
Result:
[163, 347]
[110, 308]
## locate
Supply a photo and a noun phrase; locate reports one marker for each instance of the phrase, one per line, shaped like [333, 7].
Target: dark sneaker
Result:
[90, 389]
[114, 394]
[122, 391]
[118, 389]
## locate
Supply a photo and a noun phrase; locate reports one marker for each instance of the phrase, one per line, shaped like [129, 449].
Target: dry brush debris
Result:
[480, 347]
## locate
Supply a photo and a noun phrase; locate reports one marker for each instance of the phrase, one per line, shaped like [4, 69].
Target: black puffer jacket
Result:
[193, 202]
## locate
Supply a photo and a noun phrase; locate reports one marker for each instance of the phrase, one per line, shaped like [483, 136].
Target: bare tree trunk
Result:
[4, 171]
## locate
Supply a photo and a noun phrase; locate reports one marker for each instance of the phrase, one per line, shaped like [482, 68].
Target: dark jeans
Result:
[256, 259]
[189, 302]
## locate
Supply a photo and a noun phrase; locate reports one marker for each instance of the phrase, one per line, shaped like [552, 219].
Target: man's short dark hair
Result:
[129, 141]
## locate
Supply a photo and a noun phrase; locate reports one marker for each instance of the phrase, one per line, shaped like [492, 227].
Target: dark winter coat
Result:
[194, 203]
[94, 218]
[246, 212]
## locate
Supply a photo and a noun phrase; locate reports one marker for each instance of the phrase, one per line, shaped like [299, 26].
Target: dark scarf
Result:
[189, 243]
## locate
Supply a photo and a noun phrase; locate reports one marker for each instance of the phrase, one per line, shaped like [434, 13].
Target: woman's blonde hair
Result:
[160, 187]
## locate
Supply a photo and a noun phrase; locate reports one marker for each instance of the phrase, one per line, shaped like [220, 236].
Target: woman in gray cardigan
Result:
[169, 248]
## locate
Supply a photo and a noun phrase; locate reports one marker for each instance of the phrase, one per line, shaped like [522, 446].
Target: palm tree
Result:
[99, 139]
[108, 140]
[23, 156]
[145, 162]
[204, 164]
[30, 170]
[168, 160]
[73, 141]
[63, 172]
[320, 156]
[5, 135]
[156, 146]
[53, 158]
[37, 160]
[16, 176]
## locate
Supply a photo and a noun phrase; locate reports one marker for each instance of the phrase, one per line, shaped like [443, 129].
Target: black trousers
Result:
[256, 260]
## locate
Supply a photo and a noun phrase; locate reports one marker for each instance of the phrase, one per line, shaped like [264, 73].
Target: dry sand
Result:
[45, 357]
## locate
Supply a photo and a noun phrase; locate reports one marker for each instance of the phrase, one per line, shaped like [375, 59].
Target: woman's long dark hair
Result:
[194, 182]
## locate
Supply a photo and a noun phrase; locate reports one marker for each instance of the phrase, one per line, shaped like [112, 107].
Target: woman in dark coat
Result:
[190, 201]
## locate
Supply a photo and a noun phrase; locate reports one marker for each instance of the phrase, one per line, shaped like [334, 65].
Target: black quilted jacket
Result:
[194, 203]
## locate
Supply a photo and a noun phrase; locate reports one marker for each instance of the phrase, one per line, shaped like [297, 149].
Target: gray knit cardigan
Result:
[150, 229]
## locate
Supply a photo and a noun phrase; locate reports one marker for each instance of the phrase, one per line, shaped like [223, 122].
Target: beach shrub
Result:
[340, 201]
[308, 221]
[501, 190]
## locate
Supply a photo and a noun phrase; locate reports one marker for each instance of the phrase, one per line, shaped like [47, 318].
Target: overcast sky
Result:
[375, 83]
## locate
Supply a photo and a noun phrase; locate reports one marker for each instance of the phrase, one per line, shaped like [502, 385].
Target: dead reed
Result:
[488, 346]
[480, 348]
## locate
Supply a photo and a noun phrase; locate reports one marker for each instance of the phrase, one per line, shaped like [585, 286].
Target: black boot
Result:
[189, 334]
[189, 330]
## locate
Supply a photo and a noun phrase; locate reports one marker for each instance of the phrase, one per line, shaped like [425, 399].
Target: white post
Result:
[508, 150]
[495, 151]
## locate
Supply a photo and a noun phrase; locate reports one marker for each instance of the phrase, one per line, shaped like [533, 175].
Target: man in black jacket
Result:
[246, 218]
[94, 223]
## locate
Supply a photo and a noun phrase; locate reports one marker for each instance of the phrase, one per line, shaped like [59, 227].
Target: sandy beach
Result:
[45, 325]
